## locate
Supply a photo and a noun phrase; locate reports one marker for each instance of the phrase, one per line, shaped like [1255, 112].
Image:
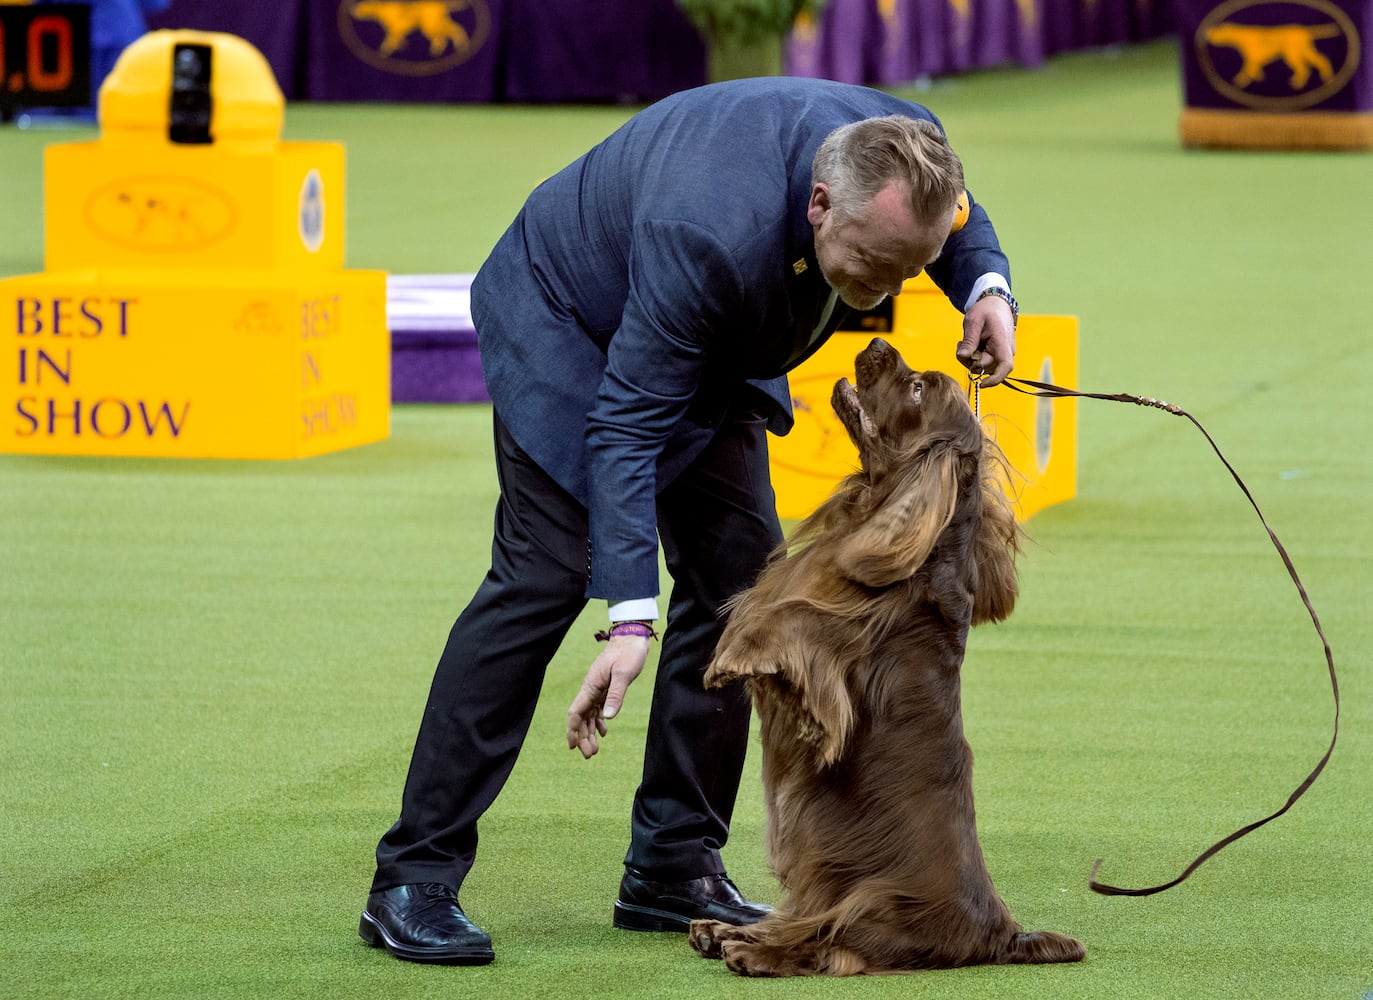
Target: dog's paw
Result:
[1037, 947]
[707, 936]
[745, 959]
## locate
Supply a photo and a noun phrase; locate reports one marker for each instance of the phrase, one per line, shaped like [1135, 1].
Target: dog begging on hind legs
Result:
[851, 643]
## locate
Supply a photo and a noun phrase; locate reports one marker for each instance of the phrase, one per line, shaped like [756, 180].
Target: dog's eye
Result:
[917, 387]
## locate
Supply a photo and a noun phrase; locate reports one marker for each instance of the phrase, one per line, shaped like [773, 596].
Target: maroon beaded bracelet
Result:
[642, 629]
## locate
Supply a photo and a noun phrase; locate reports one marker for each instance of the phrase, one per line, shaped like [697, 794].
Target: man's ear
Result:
[819, 205]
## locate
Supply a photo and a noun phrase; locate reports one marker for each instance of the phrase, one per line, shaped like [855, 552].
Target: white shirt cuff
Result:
[989, 280]
[640, 609]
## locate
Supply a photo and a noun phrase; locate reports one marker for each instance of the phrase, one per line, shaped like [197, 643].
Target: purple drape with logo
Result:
[1277, 56]
[635, 50]
[463, 50]
[403, 50]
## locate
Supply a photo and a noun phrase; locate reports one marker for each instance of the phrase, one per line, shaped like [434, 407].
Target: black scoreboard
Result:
[45, 56]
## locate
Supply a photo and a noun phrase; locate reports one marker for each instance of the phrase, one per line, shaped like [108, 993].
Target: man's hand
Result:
[603, 691]
[988, 343]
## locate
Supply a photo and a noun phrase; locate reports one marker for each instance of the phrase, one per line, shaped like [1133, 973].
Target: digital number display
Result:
[45, 56]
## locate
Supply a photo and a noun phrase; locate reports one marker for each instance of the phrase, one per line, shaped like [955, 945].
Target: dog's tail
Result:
[1039, 947]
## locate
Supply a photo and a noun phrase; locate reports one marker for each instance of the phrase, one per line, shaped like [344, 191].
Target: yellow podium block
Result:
[193, 364]
[194, 302]
[159, 204]
[1038, 436]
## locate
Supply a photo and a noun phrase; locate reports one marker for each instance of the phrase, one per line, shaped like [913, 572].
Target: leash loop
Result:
[975, 392]
[1049, 391]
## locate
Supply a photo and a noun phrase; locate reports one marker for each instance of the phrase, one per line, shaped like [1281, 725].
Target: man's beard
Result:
[861, 300]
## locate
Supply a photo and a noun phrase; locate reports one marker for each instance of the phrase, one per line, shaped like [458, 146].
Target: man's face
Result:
[870, 256]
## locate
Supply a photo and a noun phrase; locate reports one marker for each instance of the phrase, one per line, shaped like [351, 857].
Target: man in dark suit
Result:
[635, 324]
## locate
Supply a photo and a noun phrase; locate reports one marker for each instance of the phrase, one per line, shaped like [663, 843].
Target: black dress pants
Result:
[717, 522]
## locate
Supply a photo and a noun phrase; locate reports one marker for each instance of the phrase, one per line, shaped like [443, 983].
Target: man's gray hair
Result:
[859, 159]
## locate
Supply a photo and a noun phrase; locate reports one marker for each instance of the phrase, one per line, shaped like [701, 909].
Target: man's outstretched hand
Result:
[603, 691]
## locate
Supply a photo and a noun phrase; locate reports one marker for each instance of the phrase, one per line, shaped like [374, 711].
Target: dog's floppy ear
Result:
[997, 543]
[798, 673]
[898, 536]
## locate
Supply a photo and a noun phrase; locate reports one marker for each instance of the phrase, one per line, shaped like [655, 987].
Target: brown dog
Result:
[851, 643]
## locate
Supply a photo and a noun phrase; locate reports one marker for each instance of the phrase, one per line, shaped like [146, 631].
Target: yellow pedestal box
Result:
[195, 180]
[194, 302]
[157, 204]
[193, 364]
[1039, 436]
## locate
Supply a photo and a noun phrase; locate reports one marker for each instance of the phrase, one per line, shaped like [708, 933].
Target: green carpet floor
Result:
[211, 672]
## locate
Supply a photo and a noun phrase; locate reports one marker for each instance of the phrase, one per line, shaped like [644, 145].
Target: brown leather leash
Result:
[1048, 391]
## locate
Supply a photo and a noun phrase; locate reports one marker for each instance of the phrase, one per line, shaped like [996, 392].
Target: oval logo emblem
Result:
[414, 37]
[310, 216]
[160, 214]
[1277, 55]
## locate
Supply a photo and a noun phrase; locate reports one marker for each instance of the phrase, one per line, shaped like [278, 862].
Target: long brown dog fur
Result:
[851, 644]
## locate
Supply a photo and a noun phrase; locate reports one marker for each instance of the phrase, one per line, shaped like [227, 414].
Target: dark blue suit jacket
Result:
[664, 277]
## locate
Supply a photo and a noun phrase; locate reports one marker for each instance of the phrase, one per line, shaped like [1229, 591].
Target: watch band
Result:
[1001, 293]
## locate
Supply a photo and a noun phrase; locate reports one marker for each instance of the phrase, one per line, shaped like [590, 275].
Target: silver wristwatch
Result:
[1001, 293]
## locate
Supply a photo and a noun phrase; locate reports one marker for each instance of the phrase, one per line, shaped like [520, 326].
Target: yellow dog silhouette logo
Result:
[419, 37]
[1277, 55]
[1259, 45]
[402, 18]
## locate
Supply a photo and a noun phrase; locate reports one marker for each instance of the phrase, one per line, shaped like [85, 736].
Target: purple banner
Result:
[463, 50]
[896, 41]
[574, 51]
[1276, 56]
[403, 50]
[552, 51]
[960, 50]
[945, 33]
[1008, 30]
[840, 46]
[1078, 24]
[913, 33]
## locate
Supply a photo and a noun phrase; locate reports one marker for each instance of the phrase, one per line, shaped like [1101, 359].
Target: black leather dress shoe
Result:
[645, 905]
[424, 923]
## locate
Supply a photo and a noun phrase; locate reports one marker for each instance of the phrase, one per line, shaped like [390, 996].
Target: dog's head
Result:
[923, 452]
[895, 412]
